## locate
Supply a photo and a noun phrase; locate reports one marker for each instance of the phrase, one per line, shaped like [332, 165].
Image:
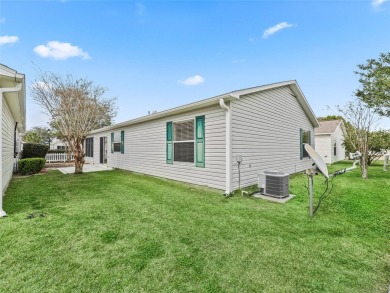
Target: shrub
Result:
[34, 150]
[56, 152]
[31, 165]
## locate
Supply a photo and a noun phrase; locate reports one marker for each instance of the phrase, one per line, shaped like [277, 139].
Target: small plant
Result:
[31, 165]
[34, 150]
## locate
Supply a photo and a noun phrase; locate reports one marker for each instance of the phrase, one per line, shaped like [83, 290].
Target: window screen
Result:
[305, 139]
[88, 147]
[184, 151]
[117, 146]
[184, 130]
[183, 137]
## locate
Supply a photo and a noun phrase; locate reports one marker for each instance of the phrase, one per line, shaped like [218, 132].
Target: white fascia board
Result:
[178, 110]
[305, 105]
[261, 88]
[18, 100]
[343, 129]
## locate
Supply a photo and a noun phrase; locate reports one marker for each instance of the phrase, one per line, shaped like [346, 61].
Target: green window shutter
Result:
[199, 140]
[112, 142]
[301, 142]
[309, 137]
[169, 147]
[122, 142]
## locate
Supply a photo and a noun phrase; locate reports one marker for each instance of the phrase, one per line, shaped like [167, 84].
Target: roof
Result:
[234, 95]
[16, 101]
[327, 127]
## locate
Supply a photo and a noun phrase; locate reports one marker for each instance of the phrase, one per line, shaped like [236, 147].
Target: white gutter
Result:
[228, 145]
[17, 88]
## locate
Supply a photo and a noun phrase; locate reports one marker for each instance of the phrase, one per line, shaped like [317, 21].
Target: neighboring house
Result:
[263, 127]
[329, 140]
[56, 144]
[12, 124]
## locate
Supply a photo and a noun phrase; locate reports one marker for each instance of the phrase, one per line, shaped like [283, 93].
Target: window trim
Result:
[198, 141]
[303, 153]
[183, 141]
[120, 142]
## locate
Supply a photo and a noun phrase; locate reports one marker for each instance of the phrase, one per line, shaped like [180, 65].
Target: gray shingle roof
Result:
[327, 126]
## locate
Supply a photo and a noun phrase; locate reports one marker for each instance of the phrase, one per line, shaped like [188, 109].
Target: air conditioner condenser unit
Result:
[274, 184]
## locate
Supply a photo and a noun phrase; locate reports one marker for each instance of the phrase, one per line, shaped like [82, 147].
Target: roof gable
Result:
[327, 127]
[238, 94]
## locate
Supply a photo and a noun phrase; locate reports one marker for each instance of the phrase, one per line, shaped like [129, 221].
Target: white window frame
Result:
[174, 141]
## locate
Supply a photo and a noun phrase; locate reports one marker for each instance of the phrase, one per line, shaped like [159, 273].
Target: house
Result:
[221, 142]
[12, 124]
[329, 140]
[57, 144]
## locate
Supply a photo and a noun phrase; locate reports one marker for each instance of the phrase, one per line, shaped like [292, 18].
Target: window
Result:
[118, 142]
[334, 149]
[305, 137]
[185, 141]
[88, 147]
[61, 147]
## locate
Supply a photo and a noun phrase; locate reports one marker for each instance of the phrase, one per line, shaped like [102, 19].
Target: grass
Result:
[123, 232]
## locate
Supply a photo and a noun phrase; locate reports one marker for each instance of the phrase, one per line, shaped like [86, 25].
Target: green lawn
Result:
[123, 232]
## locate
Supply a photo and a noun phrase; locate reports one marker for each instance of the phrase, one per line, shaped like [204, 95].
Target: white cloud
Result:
[141, 9]
[276, 28]
[377, 3]
[193, 80]
[8, 40]
[60, 51]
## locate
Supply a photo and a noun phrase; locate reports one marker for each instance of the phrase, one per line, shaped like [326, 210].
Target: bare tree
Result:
[362, 121]
[76, 107]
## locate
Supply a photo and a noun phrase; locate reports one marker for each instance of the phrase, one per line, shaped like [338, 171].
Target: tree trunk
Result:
[78, 158]
[364, 166]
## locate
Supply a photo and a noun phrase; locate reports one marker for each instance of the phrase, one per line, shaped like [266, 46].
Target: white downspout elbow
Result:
[228, 184]
[17, 88]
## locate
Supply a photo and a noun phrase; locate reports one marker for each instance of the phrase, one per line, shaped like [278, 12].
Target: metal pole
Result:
[311, 195]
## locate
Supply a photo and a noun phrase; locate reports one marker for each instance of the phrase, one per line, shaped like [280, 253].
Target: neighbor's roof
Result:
[234, 95]
[327, 127]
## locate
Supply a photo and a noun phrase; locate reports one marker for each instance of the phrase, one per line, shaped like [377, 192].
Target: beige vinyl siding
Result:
[324, 147]
[265, 132]
[145, 149]
[8, 145]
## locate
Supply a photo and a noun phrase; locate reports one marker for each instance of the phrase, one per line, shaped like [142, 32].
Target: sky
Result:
[156, 55]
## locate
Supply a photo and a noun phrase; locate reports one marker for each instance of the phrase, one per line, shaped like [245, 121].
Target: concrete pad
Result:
[86, 169]
[274, 199]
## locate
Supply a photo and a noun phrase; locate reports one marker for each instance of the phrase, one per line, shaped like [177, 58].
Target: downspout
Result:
[2, 91]
[228, 184]
[16, 126]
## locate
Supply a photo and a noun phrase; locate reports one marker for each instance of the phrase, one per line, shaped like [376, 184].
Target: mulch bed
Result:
[59, 165]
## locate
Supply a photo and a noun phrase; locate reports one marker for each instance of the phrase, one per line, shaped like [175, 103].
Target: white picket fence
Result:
[58, 157]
